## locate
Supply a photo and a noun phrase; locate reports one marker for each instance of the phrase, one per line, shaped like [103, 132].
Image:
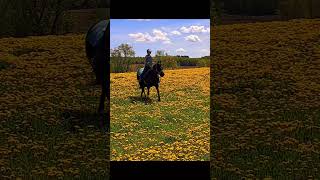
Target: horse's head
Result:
[158, 68]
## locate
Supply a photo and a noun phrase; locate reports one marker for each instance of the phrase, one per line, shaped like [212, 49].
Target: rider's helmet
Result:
[148, 51]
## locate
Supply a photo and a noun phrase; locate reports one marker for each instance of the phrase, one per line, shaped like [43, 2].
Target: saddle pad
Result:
[139, 72]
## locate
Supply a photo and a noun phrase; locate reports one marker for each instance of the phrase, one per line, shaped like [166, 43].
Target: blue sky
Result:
[189, 37]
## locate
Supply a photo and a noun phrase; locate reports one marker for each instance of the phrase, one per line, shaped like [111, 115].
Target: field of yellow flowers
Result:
[48, 125]
[266, 100]
[175, 129]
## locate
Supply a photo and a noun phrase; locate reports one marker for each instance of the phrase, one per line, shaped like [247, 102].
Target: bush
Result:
[187, 61]
[168, 62]
[118, 65]
[203, 62]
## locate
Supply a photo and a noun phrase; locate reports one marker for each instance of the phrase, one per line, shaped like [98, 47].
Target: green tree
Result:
[121, 57]
[160, 53]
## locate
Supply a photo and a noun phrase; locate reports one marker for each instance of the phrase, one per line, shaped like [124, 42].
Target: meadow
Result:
[265, 100]
[175, 129]
[48, 122]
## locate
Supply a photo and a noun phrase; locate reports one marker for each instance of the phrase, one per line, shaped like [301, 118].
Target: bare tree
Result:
[4, 7]
[60, 6]
[215, 11]
[40, 13]
[38, 17]
[21, 18]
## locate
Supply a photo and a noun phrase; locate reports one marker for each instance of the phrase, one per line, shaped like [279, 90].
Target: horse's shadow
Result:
[135, 99]
[73, 119]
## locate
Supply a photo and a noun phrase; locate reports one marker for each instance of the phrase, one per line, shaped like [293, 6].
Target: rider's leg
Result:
[143, 73]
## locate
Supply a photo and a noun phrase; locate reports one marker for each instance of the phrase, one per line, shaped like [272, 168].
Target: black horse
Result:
[98, 50]
[151, 78]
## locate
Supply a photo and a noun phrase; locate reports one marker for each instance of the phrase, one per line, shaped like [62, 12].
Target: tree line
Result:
[123, 60]
[39, 17]
[287, 9]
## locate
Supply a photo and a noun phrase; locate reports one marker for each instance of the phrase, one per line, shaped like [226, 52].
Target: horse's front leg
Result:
[146, 97]
[157, 87]
[142, 91]
[102, 98]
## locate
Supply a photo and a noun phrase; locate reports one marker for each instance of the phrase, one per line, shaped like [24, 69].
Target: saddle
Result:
[139, 73]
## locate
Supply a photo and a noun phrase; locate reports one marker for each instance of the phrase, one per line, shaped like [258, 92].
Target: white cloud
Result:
[184, 29]
[175, 33]
[140, 37]
[157, 35]
[180, 50]
[192, 38]
[139, 19]
[194, 29]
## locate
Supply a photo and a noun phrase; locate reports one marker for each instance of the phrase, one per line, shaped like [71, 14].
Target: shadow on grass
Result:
[76, 118]
[135, 99]
[5, 65]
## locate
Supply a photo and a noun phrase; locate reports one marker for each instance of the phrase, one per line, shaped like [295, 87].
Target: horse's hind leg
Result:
[158, 93]
[142, 89]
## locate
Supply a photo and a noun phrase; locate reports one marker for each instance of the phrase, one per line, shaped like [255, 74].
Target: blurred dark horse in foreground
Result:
[151, 78]
[98, 50]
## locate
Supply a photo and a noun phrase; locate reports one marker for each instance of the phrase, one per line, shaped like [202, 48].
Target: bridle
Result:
[156, 69]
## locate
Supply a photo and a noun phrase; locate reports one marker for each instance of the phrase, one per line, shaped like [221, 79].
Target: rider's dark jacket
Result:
[148, 61]
[147, 65]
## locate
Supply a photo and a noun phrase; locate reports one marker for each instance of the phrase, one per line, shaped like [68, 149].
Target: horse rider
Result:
[147, 65]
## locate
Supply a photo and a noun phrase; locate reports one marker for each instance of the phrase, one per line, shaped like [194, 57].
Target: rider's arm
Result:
[149, 60]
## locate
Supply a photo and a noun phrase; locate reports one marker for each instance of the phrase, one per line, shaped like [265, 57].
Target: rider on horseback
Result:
[147, 65]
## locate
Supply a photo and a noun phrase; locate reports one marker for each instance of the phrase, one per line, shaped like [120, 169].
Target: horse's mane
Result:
[155, 65]
[152, 70]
